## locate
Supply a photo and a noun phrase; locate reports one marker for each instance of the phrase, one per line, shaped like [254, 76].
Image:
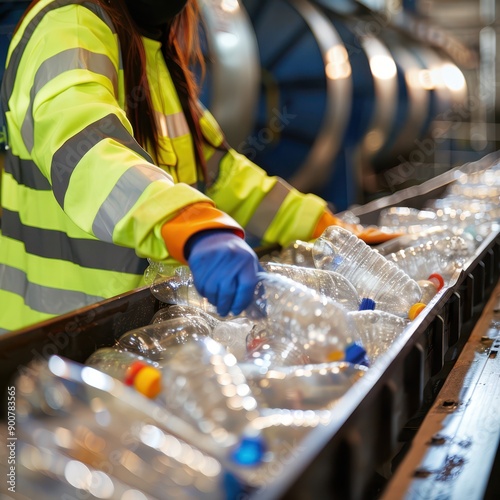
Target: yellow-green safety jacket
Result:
[83, 203]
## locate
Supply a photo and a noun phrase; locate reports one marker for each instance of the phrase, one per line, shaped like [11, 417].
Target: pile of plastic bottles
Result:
[208, 403]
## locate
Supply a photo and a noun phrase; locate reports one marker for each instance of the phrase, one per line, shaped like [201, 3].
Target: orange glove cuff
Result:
[327, 219]
[370, 235]
[193, 219]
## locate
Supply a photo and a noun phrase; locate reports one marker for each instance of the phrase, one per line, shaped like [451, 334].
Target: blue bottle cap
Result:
[233, 487]
[356, 354]
[367, 304]
[249, 451]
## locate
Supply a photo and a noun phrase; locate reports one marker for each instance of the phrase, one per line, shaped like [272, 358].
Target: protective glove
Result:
[224, 269]
[372, 235]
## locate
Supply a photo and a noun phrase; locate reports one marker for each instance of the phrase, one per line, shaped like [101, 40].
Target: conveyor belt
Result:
[453, 453]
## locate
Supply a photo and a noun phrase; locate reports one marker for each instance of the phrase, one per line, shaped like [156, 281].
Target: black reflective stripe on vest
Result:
[25, 172]
[67, 60]
[10, 74]
[269, 206]
[43, 298]
[53, 244]
[67, 157]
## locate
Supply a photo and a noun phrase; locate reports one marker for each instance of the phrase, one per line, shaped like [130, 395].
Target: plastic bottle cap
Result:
[132, 371]
[415, 310]
[148, 381]
[367, 304]
[356, 354]
[254, 344]
[335, 356]
[437, 279]
[250, 451]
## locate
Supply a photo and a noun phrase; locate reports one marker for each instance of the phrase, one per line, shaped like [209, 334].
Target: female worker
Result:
[112, 160]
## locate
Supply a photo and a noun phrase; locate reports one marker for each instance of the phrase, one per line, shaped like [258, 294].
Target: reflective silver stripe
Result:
[67, 157]
[53, 244]
[15, 59]
[2, 330]
[213, 166]
[123, 196]
[25, 172]
[67, 60]
[173, 125]
[266, 211]
[98, 11]
[43, 298]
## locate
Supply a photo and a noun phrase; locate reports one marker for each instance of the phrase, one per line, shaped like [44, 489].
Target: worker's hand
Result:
[224, 269]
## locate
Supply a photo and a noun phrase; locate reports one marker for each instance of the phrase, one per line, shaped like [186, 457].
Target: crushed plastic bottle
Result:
[374, 277]
[328, 283]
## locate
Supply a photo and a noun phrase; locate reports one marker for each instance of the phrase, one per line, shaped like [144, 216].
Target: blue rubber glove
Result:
[224, 269]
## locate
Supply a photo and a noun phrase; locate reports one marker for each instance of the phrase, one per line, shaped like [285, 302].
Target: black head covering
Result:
[154, 13]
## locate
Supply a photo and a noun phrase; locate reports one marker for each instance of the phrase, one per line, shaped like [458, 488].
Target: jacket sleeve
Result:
[69, 109]
[266, 206]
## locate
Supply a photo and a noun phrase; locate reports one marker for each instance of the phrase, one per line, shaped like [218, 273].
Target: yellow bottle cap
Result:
[415, 310]
[148, 381]
[335, 356]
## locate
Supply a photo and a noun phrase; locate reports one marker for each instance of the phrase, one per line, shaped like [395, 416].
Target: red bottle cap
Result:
[437, 279]
[132, 371]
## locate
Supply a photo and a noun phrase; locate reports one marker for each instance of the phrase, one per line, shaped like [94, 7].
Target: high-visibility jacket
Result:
[83, 203]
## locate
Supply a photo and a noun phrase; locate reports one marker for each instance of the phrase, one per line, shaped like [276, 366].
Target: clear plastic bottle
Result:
[287, 307]
[408, 219]
[308, 387]
[483, 184]
[309, 319]
[178, 311]
[232, 335]
[179, 290]
[412, 220]
[204, 386]
[443, 256]
[131, 369]
[267, 351]
[328, 283]
[374, 277]
[298, 253]
[415, 239]
[157, 341]
[378, 330]
[430, 287]
[79, 437]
